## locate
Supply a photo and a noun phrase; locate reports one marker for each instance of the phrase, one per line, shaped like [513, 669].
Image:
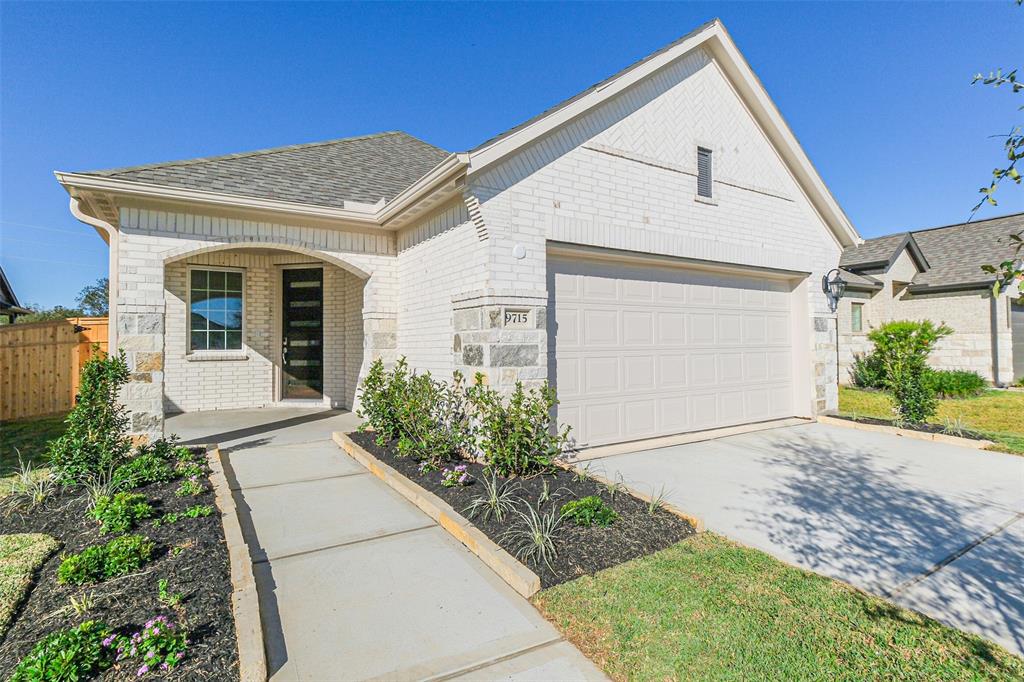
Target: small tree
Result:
[93, 299]
[902, 348]
[97, 439]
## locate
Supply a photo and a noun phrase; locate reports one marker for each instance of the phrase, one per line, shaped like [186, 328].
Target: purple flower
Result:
[142, 671]
[108, 641]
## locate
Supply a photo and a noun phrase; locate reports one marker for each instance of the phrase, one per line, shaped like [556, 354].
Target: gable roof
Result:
[408, 174]
[8, 301]
[361, 169]
[954, 254]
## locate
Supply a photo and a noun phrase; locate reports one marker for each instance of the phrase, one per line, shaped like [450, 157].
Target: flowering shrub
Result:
[120, 512]
[427, 466]
[160, 645]
[74, 654]
[455, 476]
[902, 348]
[119, 556]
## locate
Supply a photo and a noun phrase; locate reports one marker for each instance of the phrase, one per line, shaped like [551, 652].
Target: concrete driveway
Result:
[935, 527]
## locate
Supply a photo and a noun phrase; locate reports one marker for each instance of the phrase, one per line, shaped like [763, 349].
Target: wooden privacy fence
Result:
[40, 364]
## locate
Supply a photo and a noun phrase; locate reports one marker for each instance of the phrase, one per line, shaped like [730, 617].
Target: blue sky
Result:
[879, 94]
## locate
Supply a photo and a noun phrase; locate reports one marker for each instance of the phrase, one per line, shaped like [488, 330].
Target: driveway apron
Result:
[935, 527]
[355, 583]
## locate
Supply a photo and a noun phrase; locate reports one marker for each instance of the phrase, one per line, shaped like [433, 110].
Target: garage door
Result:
[641, 351]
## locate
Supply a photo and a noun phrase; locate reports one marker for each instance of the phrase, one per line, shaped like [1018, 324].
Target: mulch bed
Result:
[581, 550]
[200, 572]
[924, 427]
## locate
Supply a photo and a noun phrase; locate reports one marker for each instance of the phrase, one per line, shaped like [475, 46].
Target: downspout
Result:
[111, 233]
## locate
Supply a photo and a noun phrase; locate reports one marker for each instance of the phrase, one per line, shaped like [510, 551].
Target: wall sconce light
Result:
[834, 287]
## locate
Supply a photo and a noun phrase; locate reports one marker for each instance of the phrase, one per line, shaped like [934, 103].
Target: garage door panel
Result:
[649, 351]
[601, 374]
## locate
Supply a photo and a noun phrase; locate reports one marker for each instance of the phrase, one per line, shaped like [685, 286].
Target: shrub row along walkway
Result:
[355, 582]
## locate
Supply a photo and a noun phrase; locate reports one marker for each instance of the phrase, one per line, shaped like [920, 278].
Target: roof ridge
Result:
[969, 222]
[243, 155]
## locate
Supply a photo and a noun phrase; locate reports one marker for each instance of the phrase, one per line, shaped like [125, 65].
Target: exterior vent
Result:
[703, 172]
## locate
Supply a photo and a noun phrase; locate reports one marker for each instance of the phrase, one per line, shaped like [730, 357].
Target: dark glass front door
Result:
[303, 334]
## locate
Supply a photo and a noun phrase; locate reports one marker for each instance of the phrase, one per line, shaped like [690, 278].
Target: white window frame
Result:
[853, 305]
[188, 312]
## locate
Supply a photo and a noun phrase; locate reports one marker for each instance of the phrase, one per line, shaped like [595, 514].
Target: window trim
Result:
[233, 353]
[859, 329]
[711, 173]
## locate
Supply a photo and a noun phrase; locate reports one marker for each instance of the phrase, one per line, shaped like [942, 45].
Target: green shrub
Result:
[589, 510]
[152, 463]
[432, 419]
[96, 440]
[193, 512]
[954, 383]
[380, 399]
[68, 655]
[902, 348]
[120, 556]
[867, 371]
[517, 436]
[119, 513]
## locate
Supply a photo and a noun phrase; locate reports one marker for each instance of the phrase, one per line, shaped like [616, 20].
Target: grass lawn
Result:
[21, 555]
[709, 609]
[29, 437]
[999, 415]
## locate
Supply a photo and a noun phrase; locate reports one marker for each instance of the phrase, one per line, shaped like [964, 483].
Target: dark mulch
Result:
[581, 551]
[199, 570]
[924, 427]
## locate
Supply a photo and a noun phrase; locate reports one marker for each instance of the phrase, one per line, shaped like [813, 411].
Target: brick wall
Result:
[623, 176]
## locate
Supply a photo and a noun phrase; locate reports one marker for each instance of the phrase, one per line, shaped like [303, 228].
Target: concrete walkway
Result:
[355, 583]
[935, 527]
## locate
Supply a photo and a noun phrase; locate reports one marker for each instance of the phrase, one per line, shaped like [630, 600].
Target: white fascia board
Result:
[716, 39]
[434, 179]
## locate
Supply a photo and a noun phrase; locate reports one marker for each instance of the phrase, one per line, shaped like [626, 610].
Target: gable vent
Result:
[703, 172]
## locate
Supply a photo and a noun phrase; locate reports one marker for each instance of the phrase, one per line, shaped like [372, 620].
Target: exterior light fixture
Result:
[834, 287]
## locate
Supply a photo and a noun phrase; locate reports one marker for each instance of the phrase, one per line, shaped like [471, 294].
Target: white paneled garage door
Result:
[639, 351]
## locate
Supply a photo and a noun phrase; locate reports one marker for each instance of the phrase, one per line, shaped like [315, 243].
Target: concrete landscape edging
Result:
[519, 577]
[908, 433]
[245, 606]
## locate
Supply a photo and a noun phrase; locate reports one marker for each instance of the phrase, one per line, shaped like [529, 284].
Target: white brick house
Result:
[936, 275]
[653, 246]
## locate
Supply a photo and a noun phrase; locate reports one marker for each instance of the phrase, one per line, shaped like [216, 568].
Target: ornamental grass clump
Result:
[532, 536]
[97, 436]
[498, 500]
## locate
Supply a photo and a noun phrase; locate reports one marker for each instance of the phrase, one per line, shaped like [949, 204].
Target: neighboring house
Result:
[936, 275]
[654, 246]
[9, 306]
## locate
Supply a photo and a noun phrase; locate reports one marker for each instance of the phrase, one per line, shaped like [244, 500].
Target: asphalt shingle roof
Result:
[364, 169]
[955, 253]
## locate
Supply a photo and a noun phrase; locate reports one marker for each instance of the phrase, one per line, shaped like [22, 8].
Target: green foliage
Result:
[517, 436]
[193, 512]
[588, 511]
[902, 348]
[97, 436]
[152, 463]
[159, 646]
[867, 371]
[433, 423]
[93, 299]
[533, 535]
[190, 487]
[380, 399]
[120, 556]
[67, 655]
[164, 594]
[29, 487]
[954, 383]
[41, 314]
[119, 513]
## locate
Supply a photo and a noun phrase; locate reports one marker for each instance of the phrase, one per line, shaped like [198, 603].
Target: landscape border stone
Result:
[519, 577]
[908, 433]
[245, 605]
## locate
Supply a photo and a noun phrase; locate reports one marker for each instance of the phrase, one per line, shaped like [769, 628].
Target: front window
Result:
[857, 317]
[216, 310]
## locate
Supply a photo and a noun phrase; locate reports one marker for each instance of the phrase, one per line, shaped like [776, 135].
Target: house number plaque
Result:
[517, 319]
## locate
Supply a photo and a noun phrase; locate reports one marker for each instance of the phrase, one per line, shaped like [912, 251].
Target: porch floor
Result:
[249, 428]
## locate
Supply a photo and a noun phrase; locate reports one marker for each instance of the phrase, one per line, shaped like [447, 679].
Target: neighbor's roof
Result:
[8, 300]
[954, 253]
[363, 169]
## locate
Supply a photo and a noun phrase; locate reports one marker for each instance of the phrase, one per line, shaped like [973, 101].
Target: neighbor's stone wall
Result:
[623, 176]
[979, 324]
